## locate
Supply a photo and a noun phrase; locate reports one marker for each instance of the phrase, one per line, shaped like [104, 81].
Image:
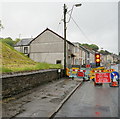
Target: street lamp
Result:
[77, 5]
[65, 12]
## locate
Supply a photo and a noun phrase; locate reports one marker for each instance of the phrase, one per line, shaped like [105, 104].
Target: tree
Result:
[102, 52]
[105, 52]
[85, 44]
[16, 40]
[8, 40]
[94, 47]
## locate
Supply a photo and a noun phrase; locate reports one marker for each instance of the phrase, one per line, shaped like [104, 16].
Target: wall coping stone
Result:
[26, 73]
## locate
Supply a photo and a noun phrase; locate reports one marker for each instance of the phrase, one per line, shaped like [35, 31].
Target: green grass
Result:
[48, 66]
[37, 66]
[3, 69]
[14, 61]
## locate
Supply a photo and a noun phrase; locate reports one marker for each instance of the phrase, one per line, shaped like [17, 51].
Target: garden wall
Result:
[13, 84]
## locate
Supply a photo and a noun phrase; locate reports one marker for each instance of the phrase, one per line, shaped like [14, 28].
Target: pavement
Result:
[42, 101]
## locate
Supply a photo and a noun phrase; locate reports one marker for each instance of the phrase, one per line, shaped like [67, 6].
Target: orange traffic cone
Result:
[114, 84]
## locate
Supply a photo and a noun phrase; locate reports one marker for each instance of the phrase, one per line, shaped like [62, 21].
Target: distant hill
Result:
[13, 61]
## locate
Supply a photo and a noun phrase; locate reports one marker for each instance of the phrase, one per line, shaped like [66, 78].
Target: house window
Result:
[58, 61]
[76, 49]
[25, 50]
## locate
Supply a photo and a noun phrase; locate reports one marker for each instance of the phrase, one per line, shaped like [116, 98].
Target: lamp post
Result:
[65, 28]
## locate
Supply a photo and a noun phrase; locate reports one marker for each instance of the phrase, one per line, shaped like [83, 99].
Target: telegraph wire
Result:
[76, 25]
[59, 23]
[81, 30]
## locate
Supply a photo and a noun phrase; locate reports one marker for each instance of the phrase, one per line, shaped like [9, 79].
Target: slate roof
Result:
[24, 42]
[84, 48]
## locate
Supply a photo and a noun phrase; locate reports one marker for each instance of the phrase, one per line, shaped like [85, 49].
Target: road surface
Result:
[91, 101]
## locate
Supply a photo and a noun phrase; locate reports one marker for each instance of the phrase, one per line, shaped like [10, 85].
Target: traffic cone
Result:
[114, 84]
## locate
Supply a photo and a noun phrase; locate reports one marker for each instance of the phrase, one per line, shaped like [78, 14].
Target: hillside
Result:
[13, 61]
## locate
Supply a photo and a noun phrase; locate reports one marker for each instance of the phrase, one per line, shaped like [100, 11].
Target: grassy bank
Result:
[28, 67]
[13, 61]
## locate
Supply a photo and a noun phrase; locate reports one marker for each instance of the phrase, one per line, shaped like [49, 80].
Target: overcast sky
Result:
[92, 23]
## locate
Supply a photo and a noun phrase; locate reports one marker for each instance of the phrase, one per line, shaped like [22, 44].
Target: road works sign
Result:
[88, 66]
[73, 72]
[76, 73]
[80, 74]
[115, 76]
[102, 78]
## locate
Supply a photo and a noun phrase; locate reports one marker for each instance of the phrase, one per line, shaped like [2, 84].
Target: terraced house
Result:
[48, 47]
[23, 46]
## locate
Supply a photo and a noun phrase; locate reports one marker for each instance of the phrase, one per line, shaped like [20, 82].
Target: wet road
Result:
[90, 101]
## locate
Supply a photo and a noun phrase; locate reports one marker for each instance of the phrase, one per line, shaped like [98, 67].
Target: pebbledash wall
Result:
[16, 83]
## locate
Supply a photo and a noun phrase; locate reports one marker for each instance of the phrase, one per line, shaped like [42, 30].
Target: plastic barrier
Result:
[76, 73]
[95, 73]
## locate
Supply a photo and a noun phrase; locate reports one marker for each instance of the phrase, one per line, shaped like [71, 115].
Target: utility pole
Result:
[19, 36]
[65, 11]
[65, 28]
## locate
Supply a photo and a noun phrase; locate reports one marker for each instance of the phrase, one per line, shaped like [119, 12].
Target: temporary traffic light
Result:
[97, 59]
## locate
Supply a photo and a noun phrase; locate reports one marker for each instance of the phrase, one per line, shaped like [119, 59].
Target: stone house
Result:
[78, 54]
[107, 59]
[110, 58]
[48, 47]
[83, 55]
[92, 56]
[23, 46]
[116, 58]
[103, 59]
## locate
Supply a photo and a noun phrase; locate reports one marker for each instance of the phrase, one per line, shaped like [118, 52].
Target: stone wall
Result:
[16, 83]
